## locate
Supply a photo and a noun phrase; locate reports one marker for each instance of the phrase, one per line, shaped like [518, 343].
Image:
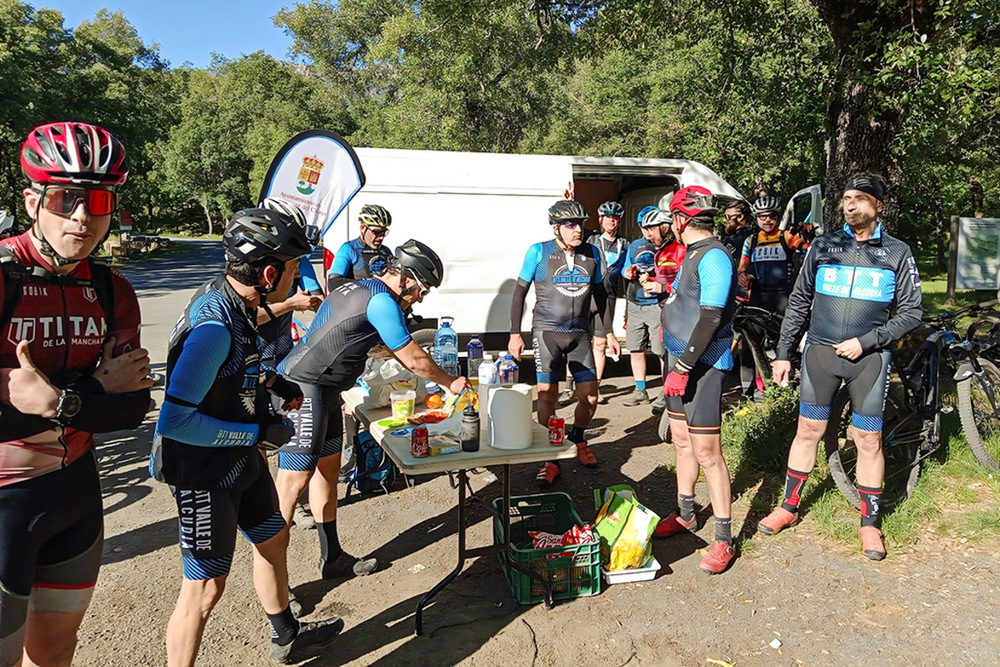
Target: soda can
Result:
[557, 431]
[418, 442]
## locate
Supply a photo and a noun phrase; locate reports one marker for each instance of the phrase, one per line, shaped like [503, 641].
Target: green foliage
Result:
[759, 434]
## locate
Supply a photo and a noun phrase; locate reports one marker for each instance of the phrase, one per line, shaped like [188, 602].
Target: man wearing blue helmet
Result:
[651, 264]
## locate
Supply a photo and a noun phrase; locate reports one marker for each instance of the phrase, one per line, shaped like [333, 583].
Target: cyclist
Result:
[650, 267]
[216, 414]
[766, 270]
[612, 248]
[737, 217]
[356, 316]
[70, 366]
[568, 284]
[364, 257]
[698, 333]
[851, 281]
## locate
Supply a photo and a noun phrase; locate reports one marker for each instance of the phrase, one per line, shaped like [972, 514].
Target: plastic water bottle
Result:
[475, 351]
[487, 378]
[508, 370]
[446, 346]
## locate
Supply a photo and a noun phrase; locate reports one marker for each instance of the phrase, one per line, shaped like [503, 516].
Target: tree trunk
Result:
[208, 216]
[976, 191]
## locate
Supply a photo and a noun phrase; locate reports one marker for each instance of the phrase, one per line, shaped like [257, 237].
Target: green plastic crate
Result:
[575, 576]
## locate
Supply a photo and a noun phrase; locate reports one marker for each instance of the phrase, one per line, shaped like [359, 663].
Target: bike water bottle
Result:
[446, 347]
[508, 370]
[475, 351]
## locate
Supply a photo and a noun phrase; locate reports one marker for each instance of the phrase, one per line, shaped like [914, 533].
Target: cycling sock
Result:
[685, 507]
[871, 498]
[794, 481]
[329, 541]
[284, 627]
[575, 434]
[724, 529]
[640, 384]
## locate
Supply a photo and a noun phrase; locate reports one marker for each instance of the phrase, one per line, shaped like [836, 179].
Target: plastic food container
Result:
[645, 573]
[402, 403]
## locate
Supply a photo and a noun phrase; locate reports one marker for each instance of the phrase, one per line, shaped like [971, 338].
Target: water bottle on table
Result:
[475, 351]
[446, 347]
[508, 370]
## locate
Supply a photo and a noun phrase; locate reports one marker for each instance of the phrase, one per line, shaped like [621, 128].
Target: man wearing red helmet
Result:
[70, 366]
[698, 335]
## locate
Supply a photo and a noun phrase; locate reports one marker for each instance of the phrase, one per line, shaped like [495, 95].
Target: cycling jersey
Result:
[768, 258]
[697, 319]
[357, 261]
[565, 286]
[215, 394]
[850, 287]
[65, 327]
[276, 334]
[612, 259]
[662, 264]
[735, 241]
[354, 318]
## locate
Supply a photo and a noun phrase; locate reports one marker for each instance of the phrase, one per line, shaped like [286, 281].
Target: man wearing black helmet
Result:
[366, 256]
[568, 286]
[216, 414]
[356, 316]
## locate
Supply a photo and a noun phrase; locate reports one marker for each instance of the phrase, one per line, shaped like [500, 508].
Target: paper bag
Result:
[624, 527]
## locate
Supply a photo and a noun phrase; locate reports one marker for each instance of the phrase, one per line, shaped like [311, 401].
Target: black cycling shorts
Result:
[553, 351]
[208, 518]
[51, 538]
[867, 380]
[701, 405]
[319, 429]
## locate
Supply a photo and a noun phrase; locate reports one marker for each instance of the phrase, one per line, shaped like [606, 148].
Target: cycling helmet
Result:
[764, 204]
[611, 208]
[373, 215]
[259, 236]
[693, 201]
[73, 153]
[295, 213]
[567, 210]
[651, 216]
[421, 261]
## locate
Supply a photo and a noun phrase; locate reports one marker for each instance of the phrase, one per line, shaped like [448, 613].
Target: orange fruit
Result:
[433, 401]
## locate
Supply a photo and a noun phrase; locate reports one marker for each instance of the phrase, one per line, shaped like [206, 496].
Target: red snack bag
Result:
[543, 540]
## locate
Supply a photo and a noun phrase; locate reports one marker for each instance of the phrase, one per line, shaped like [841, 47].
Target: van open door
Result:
[804, 213]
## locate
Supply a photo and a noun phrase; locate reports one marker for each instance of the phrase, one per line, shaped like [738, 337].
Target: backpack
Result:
[374, 471]
[15, 274]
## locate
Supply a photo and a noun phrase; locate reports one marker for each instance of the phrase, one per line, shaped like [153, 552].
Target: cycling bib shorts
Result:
[319, 429]
[246, 498]
[643, 331]
[553, 351]
[701, 405]
[867, 381]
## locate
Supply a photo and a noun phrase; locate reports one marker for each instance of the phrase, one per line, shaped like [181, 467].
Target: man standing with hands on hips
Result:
[851, 281]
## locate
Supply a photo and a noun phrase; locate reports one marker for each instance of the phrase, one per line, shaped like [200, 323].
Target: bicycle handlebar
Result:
[955, 314]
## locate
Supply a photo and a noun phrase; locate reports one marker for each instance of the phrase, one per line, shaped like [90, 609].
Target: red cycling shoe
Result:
[718, 558]
[872, 545]
[585, 456]
[547, 475]
[674, 524]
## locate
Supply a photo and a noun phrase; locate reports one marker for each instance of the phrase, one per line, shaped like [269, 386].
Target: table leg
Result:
[505, 520]
[419, 618]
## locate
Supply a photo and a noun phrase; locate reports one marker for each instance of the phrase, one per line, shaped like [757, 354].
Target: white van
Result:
[481, 212]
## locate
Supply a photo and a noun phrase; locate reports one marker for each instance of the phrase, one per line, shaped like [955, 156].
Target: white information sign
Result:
[978, 258]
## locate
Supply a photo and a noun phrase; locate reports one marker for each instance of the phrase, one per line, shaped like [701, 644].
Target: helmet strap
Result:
[562, 245]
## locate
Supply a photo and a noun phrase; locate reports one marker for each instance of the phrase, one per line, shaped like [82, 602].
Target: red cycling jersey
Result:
[66, 330]
[668, 262]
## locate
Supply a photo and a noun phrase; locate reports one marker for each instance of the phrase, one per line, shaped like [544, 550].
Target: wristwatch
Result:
[68, 407]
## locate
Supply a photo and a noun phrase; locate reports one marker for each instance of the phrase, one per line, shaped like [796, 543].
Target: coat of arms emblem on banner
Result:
[309, 175]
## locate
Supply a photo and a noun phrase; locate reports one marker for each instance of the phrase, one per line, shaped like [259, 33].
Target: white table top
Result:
[398, 447]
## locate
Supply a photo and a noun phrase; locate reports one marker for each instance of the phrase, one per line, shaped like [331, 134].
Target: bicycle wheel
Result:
[900, 444]
[979, 408]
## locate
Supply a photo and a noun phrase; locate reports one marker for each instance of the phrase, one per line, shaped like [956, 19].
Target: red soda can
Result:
[418, 442]
[557, 431]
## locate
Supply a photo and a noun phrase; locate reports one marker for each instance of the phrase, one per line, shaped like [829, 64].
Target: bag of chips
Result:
[624, 527]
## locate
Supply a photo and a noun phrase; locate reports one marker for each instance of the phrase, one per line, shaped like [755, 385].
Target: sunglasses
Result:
[424, 289]
[572, 225]
[63, 200]
[377, 231]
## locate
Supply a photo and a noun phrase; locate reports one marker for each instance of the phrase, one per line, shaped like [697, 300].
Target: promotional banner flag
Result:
[319, 172]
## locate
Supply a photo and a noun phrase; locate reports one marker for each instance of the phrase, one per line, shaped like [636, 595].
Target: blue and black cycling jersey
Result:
[215, 393]
[565, 287]
[612, 259]
[276, 335]
[357, 261]
[697, 317]
[849, 289]
[641, 254]
[356, 316]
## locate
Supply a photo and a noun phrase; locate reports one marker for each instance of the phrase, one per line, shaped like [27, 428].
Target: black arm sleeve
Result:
[103, 413]
[517, 305]
[15, 425]
[709, 320]
[799, 305]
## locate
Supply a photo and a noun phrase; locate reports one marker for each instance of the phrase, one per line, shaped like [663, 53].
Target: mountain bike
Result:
[911, 428]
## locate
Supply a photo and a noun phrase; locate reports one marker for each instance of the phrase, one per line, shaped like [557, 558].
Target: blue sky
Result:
[190, 30]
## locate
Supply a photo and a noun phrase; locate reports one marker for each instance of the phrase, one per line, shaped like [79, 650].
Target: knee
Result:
[709, 457]
[548, 394]
[868, 442]
[204, 594]
[57, 649]
[600, 344]
[810, 431]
